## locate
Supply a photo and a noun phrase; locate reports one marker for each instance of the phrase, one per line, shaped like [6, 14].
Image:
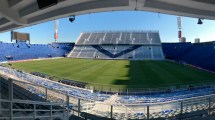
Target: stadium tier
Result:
[198, 54]
[164, 104]
[119, 45]
[23, 51]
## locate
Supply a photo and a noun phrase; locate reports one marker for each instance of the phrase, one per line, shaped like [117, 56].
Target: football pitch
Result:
[119, 73]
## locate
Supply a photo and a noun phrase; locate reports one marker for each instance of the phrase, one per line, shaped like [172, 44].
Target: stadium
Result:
[115, 74]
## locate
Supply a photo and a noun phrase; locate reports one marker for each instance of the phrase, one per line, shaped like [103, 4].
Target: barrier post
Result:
[67, 104]
[209, 106]
[10, 89]
[0, 98]
[35, 111]
[11, 97]
[64, 112]
[181, 112]
[111, 111]
[79, 107]
[147, 113]
[51, 112]
[46, 91]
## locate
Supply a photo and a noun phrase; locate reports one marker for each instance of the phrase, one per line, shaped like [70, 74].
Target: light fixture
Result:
[72, 18]
[199, 21]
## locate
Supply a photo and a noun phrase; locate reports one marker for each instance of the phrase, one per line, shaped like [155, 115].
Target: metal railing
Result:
[146, 89]
[15, 106]
[33, 113]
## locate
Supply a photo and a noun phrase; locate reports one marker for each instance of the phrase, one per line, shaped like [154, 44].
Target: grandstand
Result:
[135, 45]
[200, 55]
[24, 51]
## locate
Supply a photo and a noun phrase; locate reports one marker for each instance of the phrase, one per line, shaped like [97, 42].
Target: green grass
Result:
[119, 73]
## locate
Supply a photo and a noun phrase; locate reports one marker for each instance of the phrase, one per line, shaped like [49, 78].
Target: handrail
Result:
[61, 113]
[31, 102]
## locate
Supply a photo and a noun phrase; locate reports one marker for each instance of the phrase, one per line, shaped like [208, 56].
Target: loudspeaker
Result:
[42, 4]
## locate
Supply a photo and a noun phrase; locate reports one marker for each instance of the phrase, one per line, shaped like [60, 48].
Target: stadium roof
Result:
[20, 13]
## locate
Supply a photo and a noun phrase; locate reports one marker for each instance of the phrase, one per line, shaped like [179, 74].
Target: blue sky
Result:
[121, 20]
